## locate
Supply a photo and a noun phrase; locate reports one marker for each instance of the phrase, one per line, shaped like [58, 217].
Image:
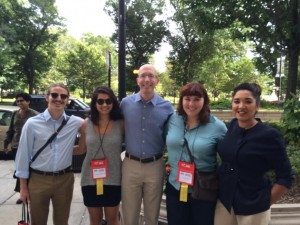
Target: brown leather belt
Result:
[56, 173]
[144, 160]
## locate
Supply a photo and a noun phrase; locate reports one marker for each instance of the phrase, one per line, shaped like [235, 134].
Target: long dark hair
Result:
[114, 114]
[195, 89]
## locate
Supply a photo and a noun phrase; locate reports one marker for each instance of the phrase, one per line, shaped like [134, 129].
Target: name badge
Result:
[99, 169]
[185, 173]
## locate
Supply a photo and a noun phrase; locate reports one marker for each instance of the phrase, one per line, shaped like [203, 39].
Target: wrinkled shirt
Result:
[57, 155]
[144, 124]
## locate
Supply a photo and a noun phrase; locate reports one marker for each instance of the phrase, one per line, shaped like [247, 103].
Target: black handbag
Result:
[25, 215]
[205, 183]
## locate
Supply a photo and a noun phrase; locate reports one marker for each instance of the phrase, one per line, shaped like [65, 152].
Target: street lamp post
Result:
[280, 74]
[121, 62]
[108, 64]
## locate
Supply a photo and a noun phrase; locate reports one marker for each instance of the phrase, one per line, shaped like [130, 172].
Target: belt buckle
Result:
[56, 173]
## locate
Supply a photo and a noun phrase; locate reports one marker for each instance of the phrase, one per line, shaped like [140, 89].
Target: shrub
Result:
[221, 104]
[291, 121]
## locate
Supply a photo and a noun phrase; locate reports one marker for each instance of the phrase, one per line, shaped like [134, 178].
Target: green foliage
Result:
[30, 30]
[222, 103]
[192, 44]
[145, 30]
[294, 156]
[272, 25]
[291, 121]
[83, 62]
[271, 105]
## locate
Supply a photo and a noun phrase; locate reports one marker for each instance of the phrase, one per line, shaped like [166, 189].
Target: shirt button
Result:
[143, 141]
[143, 129]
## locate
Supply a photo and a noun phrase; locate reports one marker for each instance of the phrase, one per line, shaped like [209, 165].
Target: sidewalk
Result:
[10, 213]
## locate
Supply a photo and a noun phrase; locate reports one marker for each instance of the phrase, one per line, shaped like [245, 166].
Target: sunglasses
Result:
[20, 101]
[101, 101]
[62, 96]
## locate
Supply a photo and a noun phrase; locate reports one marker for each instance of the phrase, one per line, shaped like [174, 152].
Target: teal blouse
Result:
[202, 140]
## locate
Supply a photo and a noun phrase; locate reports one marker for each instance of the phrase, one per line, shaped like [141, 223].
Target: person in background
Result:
[51, 176]
[143, 169]
[249, 150]
[102, 137]
[18, 119]
[203, 132]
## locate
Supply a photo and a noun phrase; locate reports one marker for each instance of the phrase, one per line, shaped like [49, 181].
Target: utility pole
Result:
[108, 64]
[121, 62]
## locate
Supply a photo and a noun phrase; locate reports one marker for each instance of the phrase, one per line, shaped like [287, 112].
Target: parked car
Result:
[75, 106]
[5, 118]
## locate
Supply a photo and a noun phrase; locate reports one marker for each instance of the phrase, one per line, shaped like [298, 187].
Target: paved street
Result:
[10, 213]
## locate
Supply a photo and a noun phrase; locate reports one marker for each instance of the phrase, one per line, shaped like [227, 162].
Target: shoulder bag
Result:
[64, 122]
[205, 183]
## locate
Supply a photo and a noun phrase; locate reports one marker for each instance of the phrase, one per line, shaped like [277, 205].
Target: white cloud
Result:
[84, 16]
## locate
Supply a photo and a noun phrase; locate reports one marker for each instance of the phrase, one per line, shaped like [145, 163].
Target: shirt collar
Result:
[154, 100]
[48, 117]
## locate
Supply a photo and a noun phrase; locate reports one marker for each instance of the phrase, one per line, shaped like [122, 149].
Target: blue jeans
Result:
[192, 212]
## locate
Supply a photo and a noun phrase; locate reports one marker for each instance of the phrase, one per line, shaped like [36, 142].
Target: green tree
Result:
[30, 29]
[145, 30]
[83, 62]
[192, 44]
[274, 29]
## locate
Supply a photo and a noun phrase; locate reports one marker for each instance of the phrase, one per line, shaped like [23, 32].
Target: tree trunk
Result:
[292, 73]
[293, 52]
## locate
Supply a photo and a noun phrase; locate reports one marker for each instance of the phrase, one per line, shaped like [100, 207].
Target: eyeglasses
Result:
[62, 96]
[101, 101]
[150, 76]
[20, 101]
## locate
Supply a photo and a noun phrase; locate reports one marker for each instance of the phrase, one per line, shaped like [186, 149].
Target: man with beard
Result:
[51, 176]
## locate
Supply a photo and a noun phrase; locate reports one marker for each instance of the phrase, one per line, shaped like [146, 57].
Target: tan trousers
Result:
[223, 217]
[142, 181]
[58, 189]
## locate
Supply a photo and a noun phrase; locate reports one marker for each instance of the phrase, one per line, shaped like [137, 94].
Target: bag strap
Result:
[64, 122]
[25, 213]
[186, 144]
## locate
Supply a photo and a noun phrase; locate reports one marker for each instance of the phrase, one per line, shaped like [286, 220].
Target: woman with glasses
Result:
[101, 138]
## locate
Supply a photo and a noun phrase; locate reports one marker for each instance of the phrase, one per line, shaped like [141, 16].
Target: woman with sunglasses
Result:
[101, 138]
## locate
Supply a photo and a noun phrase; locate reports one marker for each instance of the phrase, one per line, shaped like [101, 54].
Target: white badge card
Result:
[99, 169]
[185, 173]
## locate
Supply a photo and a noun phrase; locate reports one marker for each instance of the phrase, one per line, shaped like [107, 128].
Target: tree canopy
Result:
[29, 29]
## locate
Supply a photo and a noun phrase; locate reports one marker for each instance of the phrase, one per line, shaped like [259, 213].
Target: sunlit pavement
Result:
[10, 212]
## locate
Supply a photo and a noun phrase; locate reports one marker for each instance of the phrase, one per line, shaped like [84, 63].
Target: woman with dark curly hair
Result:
[101, 138]
[202, 131]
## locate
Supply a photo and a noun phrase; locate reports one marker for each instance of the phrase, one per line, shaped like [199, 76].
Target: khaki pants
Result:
[223, 217]
[142, 181]
[58, 189]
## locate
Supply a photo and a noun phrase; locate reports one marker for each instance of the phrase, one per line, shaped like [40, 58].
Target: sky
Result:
[84, 16]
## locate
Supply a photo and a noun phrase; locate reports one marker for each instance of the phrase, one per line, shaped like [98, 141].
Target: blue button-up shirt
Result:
[35, 133]
[144, 124]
